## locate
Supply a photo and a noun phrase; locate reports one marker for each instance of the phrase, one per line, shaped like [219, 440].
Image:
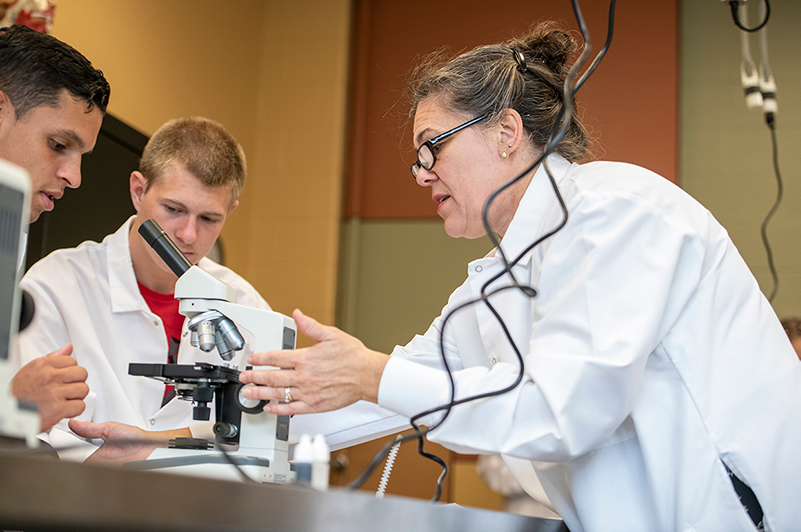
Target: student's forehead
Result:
[72, 119]
[194, 196]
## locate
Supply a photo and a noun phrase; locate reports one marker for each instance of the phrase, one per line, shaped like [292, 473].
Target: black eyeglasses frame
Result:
[429, 145]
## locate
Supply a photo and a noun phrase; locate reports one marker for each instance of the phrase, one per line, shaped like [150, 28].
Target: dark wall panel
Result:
[630, 103]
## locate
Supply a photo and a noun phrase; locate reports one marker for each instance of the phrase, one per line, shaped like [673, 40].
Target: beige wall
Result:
[400, 276]
[293, 231]
[173, 58]
[249, 65]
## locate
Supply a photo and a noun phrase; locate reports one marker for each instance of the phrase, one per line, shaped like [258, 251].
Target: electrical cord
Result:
[760, 92]
[247, 479]
[734, 5]
[767, 87]
[749, 75]
[393, 453]
[560, 127]
[780, 188]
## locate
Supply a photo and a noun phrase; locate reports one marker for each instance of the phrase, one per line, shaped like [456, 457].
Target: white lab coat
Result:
[651, 359]
[89, 296]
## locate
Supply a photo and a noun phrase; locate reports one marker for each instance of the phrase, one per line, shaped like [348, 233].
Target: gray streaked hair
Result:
[487, 80]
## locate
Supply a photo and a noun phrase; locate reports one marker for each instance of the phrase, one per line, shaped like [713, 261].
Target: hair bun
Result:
[548, 45]
[526, 74]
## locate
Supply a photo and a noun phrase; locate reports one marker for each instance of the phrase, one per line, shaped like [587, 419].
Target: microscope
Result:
[255, 441]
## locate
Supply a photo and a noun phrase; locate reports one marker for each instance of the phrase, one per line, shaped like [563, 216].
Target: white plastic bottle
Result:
[321, 457]
[303, 459]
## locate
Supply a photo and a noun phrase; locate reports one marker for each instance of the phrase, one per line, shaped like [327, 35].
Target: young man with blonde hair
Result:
[114, 300]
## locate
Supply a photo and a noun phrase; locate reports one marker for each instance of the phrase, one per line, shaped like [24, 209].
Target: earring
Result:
[504, 154]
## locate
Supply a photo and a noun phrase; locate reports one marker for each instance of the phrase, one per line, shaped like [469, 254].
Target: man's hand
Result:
[56, 383]
[336, 372]
[123, 443]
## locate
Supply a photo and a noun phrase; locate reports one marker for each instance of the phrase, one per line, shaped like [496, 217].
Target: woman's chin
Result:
[459, 231]
[453, 231]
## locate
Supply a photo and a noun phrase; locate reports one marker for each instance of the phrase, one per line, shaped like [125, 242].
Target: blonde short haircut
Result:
[203, 147]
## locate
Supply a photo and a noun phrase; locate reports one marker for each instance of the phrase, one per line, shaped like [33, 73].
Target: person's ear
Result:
[233, 206]
[138, 186]
[6, 109]
[510, 132]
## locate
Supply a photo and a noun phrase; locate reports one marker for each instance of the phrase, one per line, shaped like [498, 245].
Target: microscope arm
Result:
[271, 331]
[199, 292]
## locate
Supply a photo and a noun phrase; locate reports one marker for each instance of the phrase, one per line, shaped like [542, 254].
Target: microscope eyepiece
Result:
[162, 244]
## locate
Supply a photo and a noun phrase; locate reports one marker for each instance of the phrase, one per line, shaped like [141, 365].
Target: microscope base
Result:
[213, 464]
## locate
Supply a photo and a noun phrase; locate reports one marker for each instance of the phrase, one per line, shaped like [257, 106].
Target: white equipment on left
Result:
[18, 420]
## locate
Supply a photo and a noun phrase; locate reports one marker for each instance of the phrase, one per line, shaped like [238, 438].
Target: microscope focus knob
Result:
[202, 395]
[249, 406]
[201, 412]
[226, 430]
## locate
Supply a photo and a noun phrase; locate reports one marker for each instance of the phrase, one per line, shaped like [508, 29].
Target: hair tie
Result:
[521, 61]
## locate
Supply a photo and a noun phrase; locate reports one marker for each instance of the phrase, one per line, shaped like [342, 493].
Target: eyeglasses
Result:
[426, 156]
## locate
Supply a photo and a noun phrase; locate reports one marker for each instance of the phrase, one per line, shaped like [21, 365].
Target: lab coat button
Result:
[494, 361]
[152, 421]
[155, 323]
[479, 268]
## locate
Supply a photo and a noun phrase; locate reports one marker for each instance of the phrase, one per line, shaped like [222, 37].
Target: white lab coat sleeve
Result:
[414, 380]
[607, 293]
[415, 371]
[47, 332]
[352, 425]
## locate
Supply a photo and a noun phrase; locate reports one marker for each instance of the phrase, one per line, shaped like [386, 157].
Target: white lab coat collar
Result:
[125, 297]
[536, 203]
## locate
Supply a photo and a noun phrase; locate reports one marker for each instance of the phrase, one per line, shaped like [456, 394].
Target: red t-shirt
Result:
[165, 306]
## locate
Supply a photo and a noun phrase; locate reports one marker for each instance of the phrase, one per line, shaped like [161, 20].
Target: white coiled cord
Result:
[382, 486]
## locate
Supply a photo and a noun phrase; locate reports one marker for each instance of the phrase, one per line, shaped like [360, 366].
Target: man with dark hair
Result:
[51, 107]
[36, 68]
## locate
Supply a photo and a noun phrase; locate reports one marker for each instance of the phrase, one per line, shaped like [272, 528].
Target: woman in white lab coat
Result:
[658, 385]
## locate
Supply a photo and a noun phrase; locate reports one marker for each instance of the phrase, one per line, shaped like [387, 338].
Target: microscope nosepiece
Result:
[214, 328]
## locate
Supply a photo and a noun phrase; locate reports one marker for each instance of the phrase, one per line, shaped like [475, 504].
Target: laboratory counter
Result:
[39, 493]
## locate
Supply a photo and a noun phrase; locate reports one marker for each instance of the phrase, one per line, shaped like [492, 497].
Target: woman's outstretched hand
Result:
[339, 370]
